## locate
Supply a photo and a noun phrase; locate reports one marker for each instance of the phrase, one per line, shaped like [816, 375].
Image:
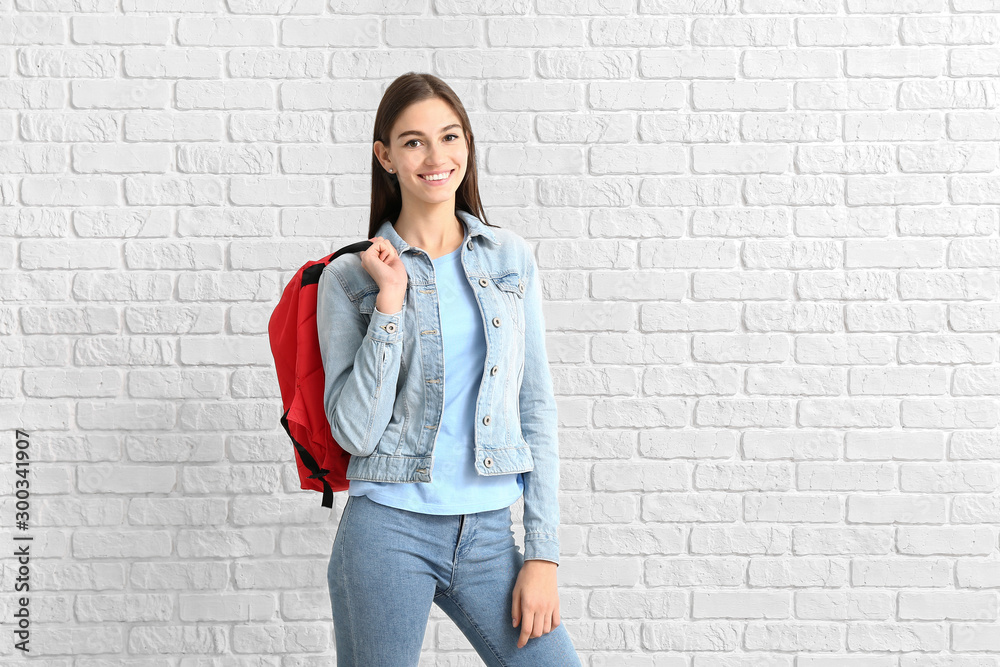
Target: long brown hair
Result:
[401, 93]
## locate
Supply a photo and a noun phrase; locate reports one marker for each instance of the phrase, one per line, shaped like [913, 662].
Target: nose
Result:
[432, 161]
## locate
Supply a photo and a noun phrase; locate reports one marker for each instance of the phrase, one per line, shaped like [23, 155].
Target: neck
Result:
[436, 232]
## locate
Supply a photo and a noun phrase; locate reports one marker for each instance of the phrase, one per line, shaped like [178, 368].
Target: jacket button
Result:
[520, 285]
[486, 420]
[469, 244]
[391, 327]
[493, 371]
[488, 462]
[483, 282]
[496, 321]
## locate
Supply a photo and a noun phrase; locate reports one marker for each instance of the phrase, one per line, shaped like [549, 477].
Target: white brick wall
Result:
[769, 238]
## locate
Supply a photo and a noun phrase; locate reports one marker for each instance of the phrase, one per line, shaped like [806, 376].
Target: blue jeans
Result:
[388, 565]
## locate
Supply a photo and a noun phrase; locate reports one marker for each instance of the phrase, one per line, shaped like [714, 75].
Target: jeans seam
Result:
[454, 560]
[347, 591]
[472, 622]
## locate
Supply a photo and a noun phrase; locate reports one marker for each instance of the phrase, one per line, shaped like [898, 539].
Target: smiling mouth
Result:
[438, 180]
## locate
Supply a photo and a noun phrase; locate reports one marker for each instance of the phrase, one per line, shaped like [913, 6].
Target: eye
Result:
[407, 144]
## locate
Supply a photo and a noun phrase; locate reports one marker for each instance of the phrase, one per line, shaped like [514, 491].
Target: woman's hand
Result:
[535, 600]
[386, 269]
[384, 265]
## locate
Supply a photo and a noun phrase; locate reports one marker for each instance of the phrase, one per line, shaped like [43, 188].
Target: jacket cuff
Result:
[387, 327]
[541, 547]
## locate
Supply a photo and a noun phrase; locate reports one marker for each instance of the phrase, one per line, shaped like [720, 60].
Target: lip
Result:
[441, 182]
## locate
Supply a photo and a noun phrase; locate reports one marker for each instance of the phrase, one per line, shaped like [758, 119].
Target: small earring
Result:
[390, 171]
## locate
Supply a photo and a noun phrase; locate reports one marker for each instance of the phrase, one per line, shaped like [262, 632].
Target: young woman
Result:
[438, 385]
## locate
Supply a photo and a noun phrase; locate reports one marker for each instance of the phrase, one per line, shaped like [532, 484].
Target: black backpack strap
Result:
[310, 462]
[311, 275]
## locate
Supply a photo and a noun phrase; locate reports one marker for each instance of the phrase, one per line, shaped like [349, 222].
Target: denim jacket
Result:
[384, 392]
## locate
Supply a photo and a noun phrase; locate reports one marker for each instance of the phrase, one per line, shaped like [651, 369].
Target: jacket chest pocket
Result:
[511, 291]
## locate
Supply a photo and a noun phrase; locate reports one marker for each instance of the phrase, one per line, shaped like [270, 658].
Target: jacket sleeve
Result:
[539, 426]
[361, 364]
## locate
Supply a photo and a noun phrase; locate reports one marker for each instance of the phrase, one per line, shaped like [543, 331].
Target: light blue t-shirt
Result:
[456, 487]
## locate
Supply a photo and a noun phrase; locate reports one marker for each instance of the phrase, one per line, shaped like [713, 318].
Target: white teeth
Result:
[436, 178]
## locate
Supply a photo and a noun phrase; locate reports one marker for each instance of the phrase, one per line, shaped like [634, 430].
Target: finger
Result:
[515, 607]
[380, 247]
[548, 624]
[526, 625]
[385, 249]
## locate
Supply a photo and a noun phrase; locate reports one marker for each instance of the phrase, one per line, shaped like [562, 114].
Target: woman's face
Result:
[426, 140]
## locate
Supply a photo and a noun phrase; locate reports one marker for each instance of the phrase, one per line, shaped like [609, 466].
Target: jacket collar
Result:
[473, 225]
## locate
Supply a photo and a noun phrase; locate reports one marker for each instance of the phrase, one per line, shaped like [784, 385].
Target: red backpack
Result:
[322, 464]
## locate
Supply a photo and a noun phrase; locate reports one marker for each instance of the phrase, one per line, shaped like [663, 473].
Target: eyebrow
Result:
[420, 134]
